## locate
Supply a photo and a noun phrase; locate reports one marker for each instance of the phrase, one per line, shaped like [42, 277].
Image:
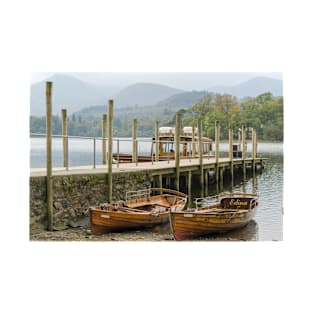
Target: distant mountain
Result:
[167, 106]
[252, 88]
[143, 94]
[182, 100]
[74, 95]
[68, 93]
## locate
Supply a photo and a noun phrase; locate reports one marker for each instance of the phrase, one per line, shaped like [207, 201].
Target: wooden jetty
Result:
[172, 169]
[158, 168]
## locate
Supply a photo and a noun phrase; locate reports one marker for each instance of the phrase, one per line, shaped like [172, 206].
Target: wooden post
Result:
[243, 141]
[193, 148]
[253, 147]
[217, 149]
[104, 135]
[254, 183]
[64, 138]
[221, 177]
[134, 158]
[110, 150]
[243, 137]
[231, 154]
[217, 141]
[200, 148]
[177, 152]
[239, 140]
[189, 187]
[256, 143]
[206, 182]
[160, 183]
[157, 141]
[49, 154]
[168, 181]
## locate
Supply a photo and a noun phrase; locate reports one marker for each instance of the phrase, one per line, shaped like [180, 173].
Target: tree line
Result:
[264, 113]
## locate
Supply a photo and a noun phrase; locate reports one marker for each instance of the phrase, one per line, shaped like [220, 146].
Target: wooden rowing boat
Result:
[213, 215]
[142, 208]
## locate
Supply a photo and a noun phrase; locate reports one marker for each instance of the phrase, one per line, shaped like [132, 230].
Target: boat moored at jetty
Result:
[213, 215]
[142, 208]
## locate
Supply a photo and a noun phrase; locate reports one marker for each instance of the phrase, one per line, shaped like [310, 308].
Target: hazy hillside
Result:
[182, 100]
[252, 88]
[143, 94]
[165, 107]
[70, 93]
[76, 95]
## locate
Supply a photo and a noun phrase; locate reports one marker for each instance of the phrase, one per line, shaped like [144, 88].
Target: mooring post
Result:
[230, 153]
[110, 150]
[253, 158]
[189, 187]
[206, 182]
[221, 177]
[94, 152]
[253, 149]
[254, 183]
[134, 132]
[177, 152]
[104, 135]
[217, 149]
[49, 154]
[157, 141]
[193, 148]
[256, 144]
[239, 139]
[200, 156]
[161, 183]
[65, 138]
[243, 137]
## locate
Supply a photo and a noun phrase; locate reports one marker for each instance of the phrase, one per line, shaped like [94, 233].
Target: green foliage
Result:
[264, 113]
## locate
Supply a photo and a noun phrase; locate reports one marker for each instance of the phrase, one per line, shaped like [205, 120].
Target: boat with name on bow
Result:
[217, 214]
[140, 209]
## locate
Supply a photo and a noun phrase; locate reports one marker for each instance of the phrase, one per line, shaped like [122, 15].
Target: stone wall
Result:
[74, 194]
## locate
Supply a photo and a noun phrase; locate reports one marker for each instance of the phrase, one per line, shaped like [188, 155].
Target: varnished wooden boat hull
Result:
[103, 222]
[187, 225]
[134, 215]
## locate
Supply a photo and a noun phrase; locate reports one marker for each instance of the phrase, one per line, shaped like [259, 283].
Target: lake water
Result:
[268, 222]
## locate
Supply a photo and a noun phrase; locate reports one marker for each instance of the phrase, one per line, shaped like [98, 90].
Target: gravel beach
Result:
[158, 233]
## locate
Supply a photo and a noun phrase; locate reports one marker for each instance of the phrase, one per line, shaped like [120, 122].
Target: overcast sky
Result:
[181, 80]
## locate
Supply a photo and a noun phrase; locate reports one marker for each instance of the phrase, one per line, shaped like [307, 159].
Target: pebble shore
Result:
[158, 233]
[84, 234]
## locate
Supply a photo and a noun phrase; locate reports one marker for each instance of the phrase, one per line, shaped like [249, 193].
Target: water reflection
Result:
[268, 184]
[247, 233]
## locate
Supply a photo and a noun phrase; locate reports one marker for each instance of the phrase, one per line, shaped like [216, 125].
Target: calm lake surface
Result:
[268, 222]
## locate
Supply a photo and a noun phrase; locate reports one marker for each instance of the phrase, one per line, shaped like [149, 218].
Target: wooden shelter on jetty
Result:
[163, 146]
[192, 156]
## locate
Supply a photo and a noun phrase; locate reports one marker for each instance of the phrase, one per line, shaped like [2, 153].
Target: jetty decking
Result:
[156, 168]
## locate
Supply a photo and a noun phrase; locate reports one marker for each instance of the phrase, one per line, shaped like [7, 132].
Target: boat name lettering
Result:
[237, 202]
